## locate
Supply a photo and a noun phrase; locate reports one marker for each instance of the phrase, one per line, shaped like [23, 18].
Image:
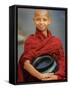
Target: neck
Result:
[45, 33]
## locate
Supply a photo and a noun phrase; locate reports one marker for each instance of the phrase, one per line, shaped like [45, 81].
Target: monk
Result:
[42, 42]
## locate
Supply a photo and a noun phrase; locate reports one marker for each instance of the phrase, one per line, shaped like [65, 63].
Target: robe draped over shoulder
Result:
[36, 45]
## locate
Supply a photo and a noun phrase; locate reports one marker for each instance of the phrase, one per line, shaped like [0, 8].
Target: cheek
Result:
[46, 23]
[36, 23]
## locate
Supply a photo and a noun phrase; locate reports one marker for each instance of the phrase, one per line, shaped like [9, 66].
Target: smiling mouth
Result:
[41, 26]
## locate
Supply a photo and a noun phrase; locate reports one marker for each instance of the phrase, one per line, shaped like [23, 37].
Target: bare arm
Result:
[28, 67]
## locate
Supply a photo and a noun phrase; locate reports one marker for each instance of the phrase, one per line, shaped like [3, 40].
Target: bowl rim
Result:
[39, 60]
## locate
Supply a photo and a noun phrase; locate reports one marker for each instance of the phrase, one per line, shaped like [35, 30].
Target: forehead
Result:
[39, 12]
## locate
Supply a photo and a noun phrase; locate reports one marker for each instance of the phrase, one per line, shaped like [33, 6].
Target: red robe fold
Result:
[37, 44]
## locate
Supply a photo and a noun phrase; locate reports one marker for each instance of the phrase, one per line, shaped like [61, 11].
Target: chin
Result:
[41, 29]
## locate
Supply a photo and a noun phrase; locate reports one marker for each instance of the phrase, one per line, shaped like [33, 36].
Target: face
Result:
[41, 20]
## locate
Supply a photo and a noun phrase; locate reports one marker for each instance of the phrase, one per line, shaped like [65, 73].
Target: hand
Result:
[53, 77]
[44, 76]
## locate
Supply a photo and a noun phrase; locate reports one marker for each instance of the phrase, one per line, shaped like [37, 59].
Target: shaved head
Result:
[41, 19]
[39, 12]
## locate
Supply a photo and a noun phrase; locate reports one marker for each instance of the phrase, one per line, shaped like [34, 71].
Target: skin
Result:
[41, 20]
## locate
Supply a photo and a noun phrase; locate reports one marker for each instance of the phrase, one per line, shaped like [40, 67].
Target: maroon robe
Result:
[37, 44]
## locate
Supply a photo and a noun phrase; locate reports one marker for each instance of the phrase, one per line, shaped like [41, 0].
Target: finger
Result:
[44, 79]
[51, 73]
[48, 74]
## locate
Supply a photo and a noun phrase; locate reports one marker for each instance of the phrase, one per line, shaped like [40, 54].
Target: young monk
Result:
[41, 43]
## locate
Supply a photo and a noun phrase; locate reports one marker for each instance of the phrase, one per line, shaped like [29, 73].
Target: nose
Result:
[41, 21]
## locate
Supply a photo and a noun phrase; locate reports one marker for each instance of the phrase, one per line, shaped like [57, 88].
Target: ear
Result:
[33, 19]
[50, 21]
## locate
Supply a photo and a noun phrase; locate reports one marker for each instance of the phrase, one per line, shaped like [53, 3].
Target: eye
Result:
[37, 19]
[44, 19]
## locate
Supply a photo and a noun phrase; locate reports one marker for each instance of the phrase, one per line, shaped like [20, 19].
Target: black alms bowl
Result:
[44, 63]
